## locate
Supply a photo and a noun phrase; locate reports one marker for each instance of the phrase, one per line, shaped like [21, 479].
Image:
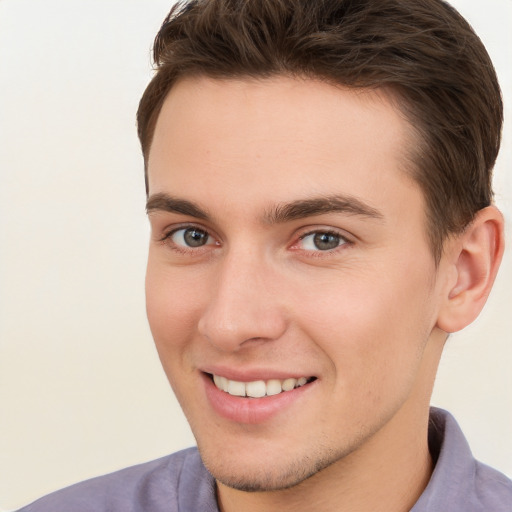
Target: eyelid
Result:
[170, 231]
[345, 239]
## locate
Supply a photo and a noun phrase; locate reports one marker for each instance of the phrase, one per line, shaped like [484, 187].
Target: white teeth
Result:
[289, 384]
[221, 382]
[236, 388]
[274, 387]
[258, 388]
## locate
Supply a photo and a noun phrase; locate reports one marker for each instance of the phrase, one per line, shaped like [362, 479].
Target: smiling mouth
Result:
[259, 388]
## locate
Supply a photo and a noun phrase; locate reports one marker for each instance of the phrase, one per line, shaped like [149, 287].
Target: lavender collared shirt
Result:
[181, 483]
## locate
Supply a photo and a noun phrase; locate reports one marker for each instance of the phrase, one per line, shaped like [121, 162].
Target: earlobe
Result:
[475, 258]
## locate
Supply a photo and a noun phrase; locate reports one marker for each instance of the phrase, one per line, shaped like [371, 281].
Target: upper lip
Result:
[253, 374]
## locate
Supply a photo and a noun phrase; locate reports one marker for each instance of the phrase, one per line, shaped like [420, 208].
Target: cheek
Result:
[372, 327]
[171, 310]
[172, 306]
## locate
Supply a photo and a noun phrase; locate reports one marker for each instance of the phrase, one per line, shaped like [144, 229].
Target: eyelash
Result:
[344, 241]
[166, 239]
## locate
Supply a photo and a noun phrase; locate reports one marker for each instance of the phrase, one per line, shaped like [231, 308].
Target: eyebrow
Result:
[321, 205]
[280, 213]
[167, 203]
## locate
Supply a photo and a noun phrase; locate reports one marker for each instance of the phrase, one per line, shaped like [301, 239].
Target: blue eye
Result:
[191, 237]
[322, 241]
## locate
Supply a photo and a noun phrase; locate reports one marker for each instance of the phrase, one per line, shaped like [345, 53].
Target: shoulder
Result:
[492, 489]
[153, 486]
[459, 482]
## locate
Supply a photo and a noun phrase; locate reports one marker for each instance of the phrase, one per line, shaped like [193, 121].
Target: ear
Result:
[473, 260]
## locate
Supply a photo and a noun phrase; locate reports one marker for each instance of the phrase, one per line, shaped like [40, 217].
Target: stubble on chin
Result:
[268, 478]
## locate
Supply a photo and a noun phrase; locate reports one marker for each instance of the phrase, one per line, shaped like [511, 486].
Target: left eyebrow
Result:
[167, 203]
[321, 205]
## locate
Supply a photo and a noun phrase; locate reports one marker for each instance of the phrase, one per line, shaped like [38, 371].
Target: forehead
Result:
[254, 141]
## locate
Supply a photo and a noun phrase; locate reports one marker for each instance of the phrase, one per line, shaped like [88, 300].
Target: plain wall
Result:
[81, 388]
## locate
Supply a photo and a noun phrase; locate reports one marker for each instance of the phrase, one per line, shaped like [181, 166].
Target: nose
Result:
[244, 304]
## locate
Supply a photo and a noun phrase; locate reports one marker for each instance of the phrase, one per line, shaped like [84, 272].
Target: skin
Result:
[259, 296]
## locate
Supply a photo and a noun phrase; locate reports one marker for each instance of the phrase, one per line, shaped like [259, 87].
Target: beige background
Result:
[81, 389]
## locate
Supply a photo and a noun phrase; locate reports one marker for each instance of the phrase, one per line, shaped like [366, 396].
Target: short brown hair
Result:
[423, 51]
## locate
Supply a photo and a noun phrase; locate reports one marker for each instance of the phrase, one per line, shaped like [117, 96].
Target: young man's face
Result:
[288, 243]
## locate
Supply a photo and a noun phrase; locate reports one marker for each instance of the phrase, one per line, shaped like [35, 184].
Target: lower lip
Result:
[251, 410]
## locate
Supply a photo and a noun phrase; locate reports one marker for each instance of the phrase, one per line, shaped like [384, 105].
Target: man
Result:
[318, 179]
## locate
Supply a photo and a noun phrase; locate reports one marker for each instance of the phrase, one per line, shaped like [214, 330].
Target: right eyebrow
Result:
[165, 202]
[313, 206]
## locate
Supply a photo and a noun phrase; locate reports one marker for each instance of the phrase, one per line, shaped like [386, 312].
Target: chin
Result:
[265, 475]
